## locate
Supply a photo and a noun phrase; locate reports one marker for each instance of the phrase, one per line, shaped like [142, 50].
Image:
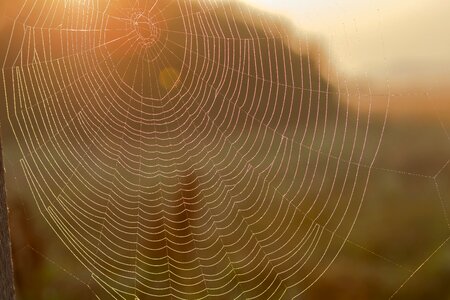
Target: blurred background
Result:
[394, 55]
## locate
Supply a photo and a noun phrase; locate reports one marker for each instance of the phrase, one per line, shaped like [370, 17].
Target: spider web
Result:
[185, 149]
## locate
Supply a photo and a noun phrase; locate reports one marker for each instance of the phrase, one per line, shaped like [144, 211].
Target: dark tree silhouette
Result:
[6, 272]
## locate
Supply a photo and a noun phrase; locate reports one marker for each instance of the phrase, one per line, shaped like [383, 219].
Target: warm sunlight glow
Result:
[225, 149]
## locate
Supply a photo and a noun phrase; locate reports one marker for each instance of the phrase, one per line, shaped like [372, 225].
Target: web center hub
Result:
[146, 29]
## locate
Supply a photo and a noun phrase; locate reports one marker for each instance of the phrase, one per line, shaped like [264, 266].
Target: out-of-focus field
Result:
[403, 221]
[400, 237]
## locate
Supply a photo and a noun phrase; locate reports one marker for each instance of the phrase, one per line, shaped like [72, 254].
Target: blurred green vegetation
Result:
[402, 222]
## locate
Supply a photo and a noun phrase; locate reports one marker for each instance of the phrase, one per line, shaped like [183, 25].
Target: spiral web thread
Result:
[185, 149]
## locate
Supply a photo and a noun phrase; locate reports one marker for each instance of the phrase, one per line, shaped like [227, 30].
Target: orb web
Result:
[185, 149]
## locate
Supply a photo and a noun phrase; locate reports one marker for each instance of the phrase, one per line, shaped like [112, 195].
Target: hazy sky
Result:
[396, 40]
